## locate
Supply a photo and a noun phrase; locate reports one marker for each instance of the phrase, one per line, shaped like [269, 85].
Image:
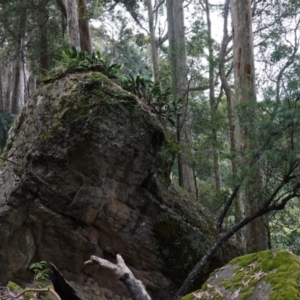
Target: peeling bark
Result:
[238, 212]
[245, 97]
[73, 26]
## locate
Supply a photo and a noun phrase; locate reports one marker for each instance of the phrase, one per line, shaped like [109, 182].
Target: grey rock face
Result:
[87, 173]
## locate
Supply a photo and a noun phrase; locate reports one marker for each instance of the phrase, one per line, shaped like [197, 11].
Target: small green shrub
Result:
[40, 272]
[152, 94]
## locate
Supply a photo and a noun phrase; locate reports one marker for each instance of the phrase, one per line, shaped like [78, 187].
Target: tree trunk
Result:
[213, 104]
[1, 89]
[18, 88]
[134, 286]
[178, 63]
[154, 50]
[7, 95]
[63, 9]
[84, 27]
[238, 210]
[73, 26]
[245, 97]
[42, 22]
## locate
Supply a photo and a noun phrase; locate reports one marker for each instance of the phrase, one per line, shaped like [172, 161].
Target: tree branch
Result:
[201, 88]
[135, 287]
[50, 290]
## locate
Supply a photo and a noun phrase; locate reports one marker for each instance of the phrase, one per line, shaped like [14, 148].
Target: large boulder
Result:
[263, 275]
[87, 173]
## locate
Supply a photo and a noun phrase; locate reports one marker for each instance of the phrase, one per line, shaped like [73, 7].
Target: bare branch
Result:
[136, 287]
[201, 88]
[157, 6]
[48, 289]
[222, 239]
[162, 39]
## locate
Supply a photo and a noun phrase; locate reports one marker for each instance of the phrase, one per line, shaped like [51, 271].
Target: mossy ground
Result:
[16, 289]
[44, 295]
[275, 273]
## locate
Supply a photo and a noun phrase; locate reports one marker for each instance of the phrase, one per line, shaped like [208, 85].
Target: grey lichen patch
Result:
[273, 275]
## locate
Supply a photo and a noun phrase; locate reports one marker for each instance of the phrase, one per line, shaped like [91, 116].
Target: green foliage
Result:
[284, 228]
[169, 150]
[6, 121]
[74, 60]
[41, 273]
[155, 96]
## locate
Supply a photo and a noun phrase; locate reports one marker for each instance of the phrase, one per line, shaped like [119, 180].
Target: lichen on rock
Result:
[270, 274]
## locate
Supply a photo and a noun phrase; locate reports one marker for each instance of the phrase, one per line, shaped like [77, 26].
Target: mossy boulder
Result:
[270, 274]
[87, 173]
[16, 289]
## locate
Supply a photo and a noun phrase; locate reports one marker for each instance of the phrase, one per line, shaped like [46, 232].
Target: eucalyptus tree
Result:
[246, 103]
[178, 63]
[154, 48]
[15, 26]
[76, 14]
[213, 101]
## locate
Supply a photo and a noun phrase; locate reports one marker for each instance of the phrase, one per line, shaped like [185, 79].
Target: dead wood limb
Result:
[135, 286]
[48, 289]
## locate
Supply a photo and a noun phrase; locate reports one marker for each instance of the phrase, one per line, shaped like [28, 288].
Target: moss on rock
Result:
[16, 289]
[273, 275]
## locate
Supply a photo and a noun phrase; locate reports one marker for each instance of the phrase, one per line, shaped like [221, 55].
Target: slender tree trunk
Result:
[213, 104]
[8, 87]
[42, 21]
[73, 26]
[245, 96]
[177, 54]
[31, 84]
[154, 50]
[17, 95]
[63, 9]
[84, 27]
[1, 88]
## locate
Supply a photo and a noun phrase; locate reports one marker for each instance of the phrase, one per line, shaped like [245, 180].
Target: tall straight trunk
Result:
[84, 27]
[177, 54]
[18, 86]
[1, 88]
[154, 50]
[42, 21]
[63, 9]
[8, 86]
[73, 26]
[17, 95]
[213, 104]
[245, 97]
[238, 205]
